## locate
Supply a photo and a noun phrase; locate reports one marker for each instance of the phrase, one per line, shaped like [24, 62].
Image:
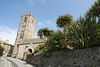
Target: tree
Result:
[64, 21]
[1, 50]
[44, 32]
[94, 10]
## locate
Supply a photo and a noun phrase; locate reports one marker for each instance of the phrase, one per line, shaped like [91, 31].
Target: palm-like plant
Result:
[94, 10]
[83, 33]
[44, 32]
[64, 21]
[40, 33]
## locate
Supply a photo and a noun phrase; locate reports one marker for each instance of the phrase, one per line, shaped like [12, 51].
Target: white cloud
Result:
[31, 2]
[42, 0]
[7, 34]
[39, 23]
[48, 22]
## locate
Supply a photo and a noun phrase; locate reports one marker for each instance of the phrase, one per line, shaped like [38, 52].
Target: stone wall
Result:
[68, 58]
[23, 49]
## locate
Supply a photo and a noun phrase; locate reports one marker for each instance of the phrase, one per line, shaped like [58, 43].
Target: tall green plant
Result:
[83, 33]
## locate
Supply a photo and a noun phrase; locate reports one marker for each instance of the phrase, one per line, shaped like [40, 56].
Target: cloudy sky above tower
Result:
[46, 12]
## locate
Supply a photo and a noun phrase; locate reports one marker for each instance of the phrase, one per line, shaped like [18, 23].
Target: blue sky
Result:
[46, 12]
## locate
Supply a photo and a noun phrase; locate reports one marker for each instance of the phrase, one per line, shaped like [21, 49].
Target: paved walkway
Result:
[12, 62]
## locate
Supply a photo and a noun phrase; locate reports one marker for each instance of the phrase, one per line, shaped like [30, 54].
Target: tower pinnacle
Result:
[22, 14]
[30, 12]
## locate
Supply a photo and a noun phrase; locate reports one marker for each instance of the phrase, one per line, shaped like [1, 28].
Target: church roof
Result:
[34, 41]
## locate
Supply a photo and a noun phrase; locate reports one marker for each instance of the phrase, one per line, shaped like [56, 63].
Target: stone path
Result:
[13, 62]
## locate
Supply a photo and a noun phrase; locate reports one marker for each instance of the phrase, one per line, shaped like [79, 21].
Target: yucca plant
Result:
[44, 32]
[83, 33]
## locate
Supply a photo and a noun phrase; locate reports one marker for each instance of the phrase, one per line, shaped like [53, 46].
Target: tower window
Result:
[32, 21]
[25, 19]
[21, 35]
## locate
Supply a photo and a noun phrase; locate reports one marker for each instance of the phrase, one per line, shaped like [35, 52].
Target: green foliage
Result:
[39, 48]
[94, 10]
[83, 33]
[54, 42]
[64, 21]
[1, 50]
[44, 32]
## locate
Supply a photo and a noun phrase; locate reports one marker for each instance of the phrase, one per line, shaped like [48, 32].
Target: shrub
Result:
[39, 48]
[1, 50]
[54, 41]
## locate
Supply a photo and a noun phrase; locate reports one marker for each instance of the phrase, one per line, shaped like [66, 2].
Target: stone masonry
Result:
[26, 30]
[68, 58]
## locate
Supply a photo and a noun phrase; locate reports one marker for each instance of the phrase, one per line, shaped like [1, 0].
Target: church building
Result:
[25, 42]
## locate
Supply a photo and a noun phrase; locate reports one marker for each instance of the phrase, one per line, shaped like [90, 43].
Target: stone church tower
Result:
[26, 30]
